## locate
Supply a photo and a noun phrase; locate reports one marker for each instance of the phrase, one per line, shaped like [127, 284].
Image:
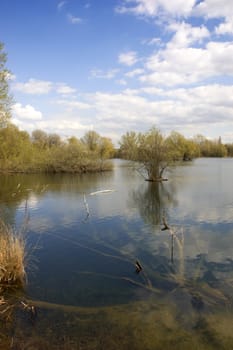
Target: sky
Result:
[114, 66]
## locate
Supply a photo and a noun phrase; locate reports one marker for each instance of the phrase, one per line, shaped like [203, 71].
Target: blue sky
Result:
[120, 65]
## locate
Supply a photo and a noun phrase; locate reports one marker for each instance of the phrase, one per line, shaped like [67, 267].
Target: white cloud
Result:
[206, 109]
[152, 8]
[225, 27]
[26, 112]
[64, 89]
[185, 34]
[74, 20]
[152, 41]
[65, 126]
[42, 87]
[134, 73]
[187, 65]
[214, 8]
[98, 73]
[128, 58]
[73, 104]
[33, 86]
[122, 82]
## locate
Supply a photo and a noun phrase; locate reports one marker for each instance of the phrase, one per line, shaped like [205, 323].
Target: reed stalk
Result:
[12, 257]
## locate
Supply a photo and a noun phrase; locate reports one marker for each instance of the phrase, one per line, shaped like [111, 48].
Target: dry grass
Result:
[12, 257]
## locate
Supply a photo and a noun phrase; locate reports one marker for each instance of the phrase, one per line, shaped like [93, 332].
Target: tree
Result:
[91, 140]
[15, 150]
[210, 148]
[105, 148]
[40, 139]
[181, 148]
[54, 140]
[5, 99]
[150, 149]
[129, 146]
[72, 140]
[153, 154]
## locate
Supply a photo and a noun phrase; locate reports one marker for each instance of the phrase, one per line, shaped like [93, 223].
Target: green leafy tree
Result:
[150, 149]
[181, 148]
[105, 148]
[5, 98]
[15, 150]
[153, 154]
[91, 140]
[210, 148]
[229, 148]
[129, 146]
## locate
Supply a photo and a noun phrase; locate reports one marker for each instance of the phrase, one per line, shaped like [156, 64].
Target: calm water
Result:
[84, 246]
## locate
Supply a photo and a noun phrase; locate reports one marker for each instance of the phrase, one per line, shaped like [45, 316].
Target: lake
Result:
[104, 273]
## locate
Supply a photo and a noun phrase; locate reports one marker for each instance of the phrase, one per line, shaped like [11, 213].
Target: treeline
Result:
[178, 147]
[156, 152]
[42, 152]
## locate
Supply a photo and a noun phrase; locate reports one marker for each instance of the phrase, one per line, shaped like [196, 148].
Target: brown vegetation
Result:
[12, 258]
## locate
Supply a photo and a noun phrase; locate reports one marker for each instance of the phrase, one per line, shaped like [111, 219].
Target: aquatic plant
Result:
[12, 257]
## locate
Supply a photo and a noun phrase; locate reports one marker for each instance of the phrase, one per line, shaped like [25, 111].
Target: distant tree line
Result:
[155, 152]
[180, 148]
[42, 152]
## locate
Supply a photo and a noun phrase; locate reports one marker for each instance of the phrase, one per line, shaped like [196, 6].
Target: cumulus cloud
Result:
[152, 8]
[173, 66]
[226, 27]
[190, 111]
[27, 112]
[214, 9]
[33, 86]
[128, 58]
[185, 34]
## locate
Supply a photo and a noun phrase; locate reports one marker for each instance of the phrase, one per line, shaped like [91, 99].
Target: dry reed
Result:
[12, 257]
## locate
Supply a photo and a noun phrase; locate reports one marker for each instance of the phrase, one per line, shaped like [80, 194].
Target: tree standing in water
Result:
[150, 149]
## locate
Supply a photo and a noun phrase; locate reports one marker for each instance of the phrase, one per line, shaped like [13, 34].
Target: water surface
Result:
[84, 245]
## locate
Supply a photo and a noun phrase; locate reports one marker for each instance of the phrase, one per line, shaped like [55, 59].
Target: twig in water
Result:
[165, 225]
[138, 267]
[101, 191]
[86, 206]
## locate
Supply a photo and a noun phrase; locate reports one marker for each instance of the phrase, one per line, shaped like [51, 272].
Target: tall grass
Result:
[12, 257]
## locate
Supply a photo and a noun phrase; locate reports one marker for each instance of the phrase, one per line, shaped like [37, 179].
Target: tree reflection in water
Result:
[153, 199]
